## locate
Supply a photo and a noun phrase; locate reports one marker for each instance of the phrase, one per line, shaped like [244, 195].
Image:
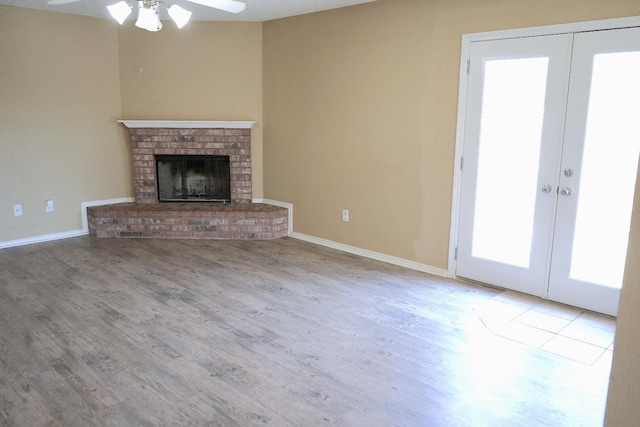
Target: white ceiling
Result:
[257, 10]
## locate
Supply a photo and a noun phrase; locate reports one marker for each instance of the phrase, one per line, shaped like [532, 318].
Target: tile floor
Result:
[579, 335]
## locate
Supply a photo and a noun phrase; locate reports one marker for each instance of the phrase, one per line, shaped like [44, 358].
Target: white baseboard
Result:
[412, 265]
[65, 234]
[41, 239]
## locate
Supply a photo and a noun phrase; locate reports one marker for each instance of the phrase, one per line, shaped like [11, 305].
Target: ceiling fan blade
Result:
[231, 6]
[60, 2]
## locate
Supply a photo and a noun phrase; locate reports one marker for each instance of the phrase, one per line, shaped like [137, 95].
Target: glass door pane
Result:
[508, 159]
[609, 166]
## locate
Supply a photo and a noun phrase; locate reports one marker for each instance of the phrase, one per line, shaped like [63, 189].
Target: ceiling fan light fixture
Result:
[148, 17]
[120, 11]
[179, 15]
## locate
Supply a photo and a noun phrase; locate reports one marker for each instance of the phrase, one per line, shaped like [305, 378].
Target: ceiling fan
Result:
[148, 17]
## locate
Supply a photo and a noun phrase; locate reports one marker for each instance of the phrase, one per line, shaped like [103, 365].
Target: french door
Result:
[550, 154]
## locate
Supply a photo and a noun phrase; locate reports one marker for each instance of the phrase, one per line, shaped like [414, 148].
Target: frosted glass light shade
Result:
[120, 11]
[179, 15]
[148, 18]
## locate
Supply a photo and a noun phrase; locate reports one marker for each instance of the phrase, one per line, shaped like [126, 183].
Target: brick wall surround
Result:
[148, 142]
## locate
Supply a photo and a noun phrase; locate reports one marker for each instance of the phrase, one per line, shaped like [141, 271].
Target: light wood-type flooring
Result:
[128, 332]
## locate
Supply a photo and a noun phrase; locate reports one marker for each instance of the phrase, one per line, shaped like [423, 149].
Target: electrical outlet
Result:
[17, 210]
[48, 205]
[345, 215]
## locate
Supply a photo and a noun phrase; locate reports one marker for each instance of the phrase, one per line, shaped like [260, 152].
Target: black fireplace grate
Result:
[193, 178]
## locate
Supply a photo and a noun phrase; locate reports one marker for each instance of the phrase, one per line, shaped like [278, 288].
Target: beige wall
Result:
[624, 386]
[205, 71]
[59, 100]
[360, 112]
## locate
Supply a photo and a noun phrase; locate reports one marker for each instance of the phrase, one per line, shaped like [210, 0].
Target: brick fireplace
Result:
[147, 217]
[146, 143]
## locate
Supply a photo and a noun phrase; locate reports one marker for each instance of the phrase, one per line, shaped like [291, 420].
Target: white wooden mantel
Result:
[187, 124]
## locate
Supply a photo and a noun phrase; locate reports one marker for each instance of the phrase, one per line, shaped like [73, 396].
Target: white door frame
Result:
[467, 39]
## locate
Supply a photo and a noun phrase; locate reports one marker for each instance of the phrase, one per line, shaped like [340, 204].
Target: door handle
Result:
[546, 188]
[565, 191]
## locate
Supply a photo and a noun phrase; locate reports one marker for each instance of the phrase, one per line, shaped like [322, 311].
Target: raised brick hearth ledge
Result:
[189, 221]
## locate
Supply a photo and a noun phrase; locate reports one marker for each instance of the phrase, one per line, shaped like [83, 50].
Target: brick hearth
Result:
[189, 221]
[147, 218]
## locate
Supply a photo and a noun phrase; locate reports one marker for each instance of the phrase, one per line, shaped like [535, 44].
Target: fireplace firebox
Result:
[193, 178]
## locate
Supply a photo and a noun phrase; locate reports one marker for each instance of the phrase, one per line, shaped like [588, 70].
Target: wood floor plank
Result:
[117, 332]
